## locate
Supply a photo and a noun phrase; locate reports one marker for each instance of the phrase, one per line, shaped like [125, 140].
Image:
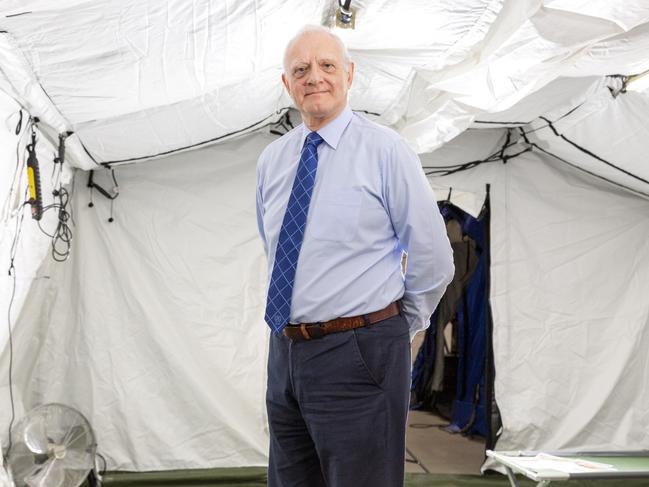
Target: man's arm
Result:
[260, 205]
[420, 228]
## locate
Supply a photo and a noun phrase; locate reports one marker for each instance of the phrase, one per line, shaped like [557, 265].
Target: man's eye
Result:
[328, 66]
[299, 71]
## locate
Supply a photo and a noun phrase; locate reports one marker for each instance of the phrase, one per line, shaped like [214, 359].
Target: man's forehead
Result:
[314, 44]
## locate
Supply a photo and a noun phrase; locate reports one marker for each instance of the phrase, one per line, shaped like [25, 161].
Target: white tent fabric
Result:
[154, 327]
[133, 80]
[570, 338]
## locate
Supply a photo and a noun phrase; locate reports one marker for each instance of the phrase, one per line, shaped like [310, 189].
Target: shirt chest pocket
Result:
[336, 216]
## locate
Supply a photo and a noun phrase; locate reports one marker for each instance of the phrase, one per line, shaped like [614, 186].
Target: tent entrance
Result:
[453, 369]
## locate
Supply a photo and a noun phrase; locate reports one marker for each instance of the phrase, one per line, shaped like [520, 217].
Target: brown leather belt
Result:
[310, 331]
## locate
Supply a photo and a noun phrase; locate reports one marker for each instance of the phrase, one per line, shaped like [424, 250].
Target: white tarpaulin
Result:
[153, 328]
[137, 79]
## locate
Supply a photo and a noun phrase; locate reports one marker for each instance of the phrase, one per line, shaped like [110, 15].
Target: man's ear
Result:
[350, 74]
[285, 82]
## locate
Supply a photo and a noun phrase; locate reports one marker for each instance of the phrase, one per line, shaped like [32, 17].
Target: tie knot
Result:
[313, 139]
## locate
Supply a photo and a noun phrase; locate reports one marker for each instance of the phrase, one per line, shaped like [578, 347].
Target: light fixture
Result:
[345, 15]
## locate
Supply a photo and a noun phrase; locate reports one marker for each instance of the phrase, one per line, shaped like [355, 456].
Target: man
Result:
[339, 200]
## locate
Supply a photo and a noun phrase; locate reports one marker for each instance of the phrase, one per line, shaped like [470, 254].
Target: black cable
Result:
[62, 235]
[416, 460]
[11, 356]
[12, 273]
[102, 471]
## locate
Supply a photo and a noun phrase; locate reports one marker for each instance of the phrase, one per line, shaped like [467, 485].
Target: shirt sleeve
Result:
[260, 204]
[421, 233]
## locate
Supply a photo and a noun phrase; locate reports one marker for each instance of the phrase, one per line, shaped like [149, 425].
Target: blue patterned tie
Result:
[280, 290]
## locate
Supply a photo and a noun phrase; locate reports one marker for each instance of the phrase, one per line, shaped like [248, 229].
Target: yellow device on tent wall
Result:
[34, 180]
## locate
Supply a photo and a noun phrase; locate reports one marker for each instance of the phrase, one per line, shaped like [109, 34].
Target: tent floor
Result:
[256, 477]
[435, 458]
[430, 449]
[444, 460]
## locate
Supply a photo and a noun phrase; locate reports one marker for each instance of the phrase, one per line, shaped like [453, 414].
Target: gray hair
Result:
[308, 29]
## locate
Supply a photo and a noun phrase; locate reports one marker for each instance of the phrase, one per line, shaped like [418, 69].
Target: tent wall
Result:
[154, 327]
[570, 263]
[571, 318]
[22, 245]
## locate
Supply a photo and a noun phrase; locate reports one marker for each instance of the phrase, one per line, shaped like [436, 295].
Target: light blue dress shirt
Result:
[371, 202]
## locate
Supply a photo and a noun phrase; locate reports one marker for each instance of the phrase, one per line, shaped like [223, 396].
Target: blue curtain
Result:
[469, 403]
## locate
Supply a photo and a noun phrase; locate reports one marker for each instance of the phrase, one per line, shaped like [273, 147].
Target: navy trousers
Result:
[337, 408]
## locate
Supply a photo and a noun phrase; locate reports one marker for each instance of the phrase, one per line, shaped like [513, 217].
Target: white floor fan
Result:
[52, 446]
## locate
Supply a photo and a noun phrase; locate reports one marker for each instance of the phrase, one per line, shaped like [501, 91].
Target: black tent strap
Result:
[448, 170]
[495, 156]
[593, 155]
[92, 185]
[527, 123]
[258, 125]
[470, 165]
[19, 125]
[15, 15]
[505, 145]
[489, 122]
[198, 144]
[590, 172]
[284, 125]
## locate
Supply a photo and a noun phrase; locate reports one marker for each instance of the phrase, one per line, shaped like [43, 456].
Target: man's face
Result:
[317, 77]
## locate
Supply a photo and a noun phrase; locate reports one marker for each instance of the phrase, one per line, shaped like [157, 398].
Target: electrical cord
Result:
[12, 273]
[62, 235]
[103, 459]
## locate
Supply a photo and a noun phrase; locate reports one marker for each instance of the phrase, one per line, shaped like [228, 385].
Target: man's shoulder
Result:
[381, 135]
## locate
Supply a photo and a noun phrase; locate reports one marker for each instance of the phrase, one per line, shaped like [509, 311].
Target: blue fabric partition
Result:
[469, 402]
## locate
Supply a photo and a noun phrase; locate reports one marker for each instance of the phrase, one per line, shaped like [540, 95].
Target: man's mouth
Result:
[316, 93]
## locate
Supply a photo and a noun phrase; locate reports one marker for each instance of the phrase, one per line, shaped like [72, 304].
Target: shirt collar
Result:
[332, 132]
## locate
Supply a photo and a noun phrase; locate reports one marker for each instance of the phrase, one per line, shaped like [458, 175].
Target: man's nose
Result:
[314, 75]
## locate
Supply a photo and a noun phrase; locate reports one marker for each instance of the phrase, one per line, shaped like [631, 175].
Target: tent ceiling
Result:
[139, 79]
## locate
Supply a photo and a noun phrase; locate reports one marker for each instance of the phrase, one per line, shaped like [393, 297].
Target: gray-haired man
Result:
[339, 200]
